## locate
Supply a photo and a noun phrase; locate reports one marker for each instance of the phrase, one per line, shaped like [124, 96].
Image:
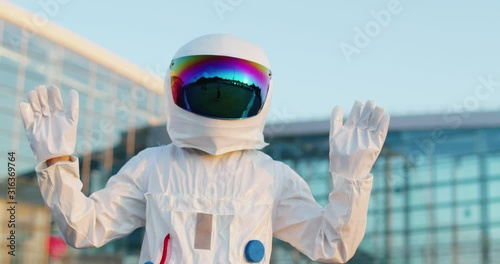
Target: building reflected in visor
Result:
[219, 87]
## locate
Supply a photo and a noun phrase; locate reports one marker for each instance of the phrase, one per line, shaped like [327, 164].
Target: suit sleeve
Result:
[331, 234]
[108, 214]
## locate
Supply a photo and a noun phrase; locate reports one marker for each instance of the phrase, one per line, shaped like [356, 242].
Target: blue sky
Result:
[411, 57]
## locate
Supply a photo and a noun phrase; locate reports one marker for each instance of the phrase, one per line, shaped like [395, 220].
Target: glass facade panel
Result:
[397, 246]
[377, 201]
[419, 242]
[151, 101]
[443, 256]
[468, 168]
[41, 61]
[420, 219]
[444, 237]
[379, 183]
[372, 223]
[494, 189]
[417, 260]
[103, 80]
[24, 147]
[140, 96]
[444, 194]
[469, 235]
[397, 220]
[140, 121]
[494, 234]
[494, 212]
[12, 37]
[421, 173]
[443, 216]
[6, 140]
[8, 73]
[124, 92]
[397, 197]
[467, 192]
[76, 68]
[470, 255]
[122, 115]
[8, 100]
[33, 78]
[444, 169]
[158, 105]
[493, 166]
[38, 49]
[100, 107]
[84, 102]
[468, 214]
[420, 197]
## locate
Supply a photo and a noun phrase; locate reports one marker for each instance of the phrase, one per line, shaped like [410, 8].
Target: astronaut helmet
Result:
[218, 92]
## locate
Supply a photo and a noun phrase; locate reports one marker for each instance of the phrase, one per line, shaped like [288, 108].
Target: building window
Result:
[159, 105]
[140, 121]
[124, 89]
[421, 173]
[419, 242]
[494, 212]
[494, 190]
[33, 78]
[494, 234]
[397, 220]
[103, 80]
[468, 167]
[7, 117]
[468, 214]
[419, 219]
[8, 73]
[140, 96]
[444, 168]
[76, 68]
[443, 216]
[8, 101]
[12, 37]
[122, 114]
[443, 194]
[493, 166]
[467, 192]
[38, 49]
[420, 197]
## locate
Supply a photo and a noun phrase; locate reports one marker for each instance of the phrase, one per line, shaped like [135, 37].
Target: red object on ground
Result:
[57, 247]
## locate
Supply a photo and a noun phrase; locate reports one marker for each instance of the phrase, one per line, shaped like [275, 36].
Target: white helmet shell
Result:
[216, 136]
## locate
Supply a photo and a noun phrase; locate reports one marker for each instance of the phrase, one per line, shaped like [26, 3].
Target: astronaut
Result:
[211, 196]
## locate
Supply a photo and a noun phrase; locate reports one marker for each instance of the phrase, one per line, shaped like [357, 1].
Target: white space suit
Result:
[211, 196]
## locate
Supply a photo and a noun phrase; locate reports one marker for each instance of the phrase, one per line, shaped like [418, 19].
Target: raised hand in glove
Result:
[355, 145]
[51, 130]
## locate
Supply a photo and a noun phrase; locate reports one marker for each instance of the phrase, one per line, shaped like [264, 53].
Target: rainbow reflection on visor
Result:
[219, 86]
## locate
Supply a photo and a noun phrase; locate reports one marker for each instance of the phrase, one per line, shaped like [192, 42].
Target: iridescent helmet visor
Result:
[218, 86]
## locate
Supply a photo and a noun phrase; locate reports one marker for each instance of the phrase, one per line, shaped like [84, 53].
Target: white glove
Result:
[50, 130]
[355, 145]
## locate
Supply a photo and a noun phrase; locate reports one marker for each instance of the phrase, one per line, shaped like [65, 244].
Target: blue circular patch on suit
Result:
[148, 262]
[254, 251]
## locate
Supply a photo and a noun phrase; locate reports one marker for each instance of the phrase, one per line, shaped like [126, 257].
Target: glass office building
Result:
[436, 193]
[116, 97]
